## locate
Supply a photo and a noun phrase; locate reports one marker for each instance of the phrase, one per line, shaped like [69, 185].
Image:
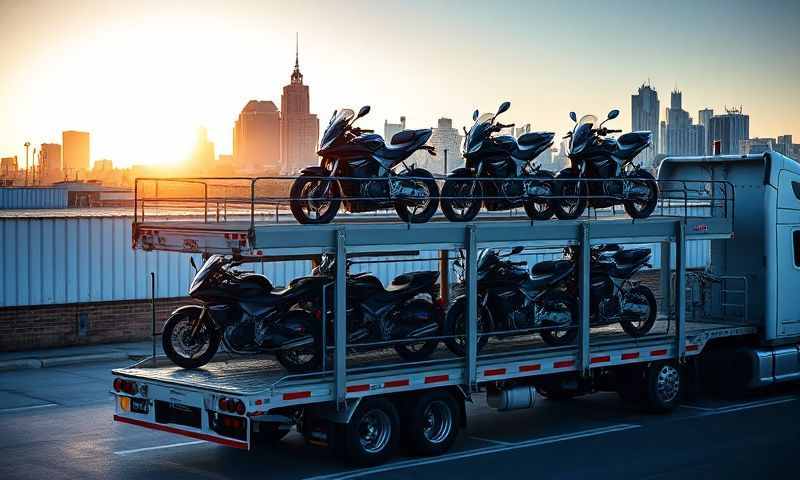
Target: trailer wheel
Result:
[371, 436]
[664, 385]
[433, 423]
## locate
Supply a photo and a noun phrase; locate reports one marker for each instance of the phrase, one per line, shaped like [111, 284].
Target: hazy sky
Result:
[141, 77]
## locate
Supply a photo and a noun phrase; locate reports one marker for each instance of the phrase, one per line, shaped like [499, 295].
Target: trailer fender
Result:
[330, 413]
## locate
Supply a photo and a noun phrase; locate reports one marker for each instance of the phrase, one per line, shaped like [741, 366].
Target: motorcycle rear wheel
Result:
[638, 208]
[301, 198]
[181, 347]
[303, 359]
[411, 213]
[559, 337]
[455, 325]
[540, 209]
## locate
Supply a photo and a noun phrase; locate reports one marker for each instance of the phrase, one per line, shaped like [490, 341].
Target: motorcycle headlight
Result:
[475, 147]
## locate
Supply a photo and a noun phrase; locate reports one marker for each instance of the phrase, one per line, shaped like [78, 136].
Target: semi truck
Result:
[733, 323]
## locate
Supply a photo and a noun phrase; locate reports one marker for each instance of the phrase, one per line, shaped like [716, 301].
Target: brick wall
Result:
[108, 322]
[48, 326]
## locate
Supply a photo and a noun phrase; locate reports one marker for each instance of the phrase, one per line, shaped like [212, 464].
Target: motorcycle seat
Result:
[531, 144]
[412, 280]
[634, 256]
[407, 136]
[631, 143]
[545, 273]
[404, 143]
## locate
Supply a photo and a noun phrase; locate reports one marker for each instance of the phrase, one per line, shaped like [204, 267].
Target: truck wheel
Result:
[664, 384]
[370, 438]
[433, 423]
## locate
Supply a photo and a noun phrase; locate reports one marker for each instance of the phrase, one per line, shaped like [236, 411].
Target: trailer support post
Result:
[665, 282]
[584, 328]
[472, 308]
[340, 322]
[444, 276]
[680, 290]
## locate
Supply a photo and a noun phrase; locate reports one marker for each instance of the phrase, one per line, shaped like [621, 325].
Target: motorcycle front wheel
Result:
[572, 199]
[419, 211]
[643, 207]
[306, 358]
[455, 326]
[461, 200]
[314, 200]
[638, 325]
[565, 335]
[416, 352]
[184, 349]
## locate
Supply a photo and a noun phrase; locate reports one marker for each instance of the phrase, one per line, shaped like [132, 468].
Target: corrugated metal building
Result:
[61, 260]
[33, 197]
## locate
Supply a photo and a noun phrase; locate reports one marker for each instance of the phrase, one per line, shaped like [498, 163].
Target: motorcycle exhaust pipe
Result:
[425, 331]
[537, 190]
[403, 191]
[300, 342]
[635, 308]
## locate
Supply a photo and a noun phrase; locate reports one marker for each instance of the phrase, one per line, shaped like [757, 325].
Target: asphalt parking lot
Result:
[57, 423]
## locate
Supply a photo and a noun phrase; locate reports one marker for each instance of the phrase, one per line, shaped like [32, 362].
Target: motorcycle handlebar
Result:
[614, 131]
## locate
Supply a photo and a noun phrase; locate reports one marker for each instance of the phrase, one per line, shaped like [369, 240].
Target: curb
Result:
[30, 363]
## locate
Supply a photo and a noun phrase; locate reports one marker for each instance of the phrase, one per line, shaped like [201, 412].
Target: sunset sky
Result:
[142, 77]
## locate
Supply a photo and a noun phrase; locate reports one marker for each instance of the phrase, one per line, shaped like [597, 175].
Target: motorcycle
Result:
[511, 299]
[608, 162]
[496, 158]
[243, 311]
[613, 296]
[408, 309]
[370, 182]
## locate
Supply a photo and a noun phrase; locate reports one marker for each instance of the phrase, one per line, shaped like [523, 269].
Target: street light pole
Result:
[27, 145]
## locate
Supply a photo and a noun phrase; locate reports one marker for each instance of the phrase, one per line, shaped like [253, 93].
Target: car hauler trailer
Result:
[732, 321]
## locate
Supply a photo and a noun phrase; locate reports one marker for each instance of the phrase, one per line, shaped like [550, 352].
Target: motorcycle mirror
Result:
[517, 249]
[503, 108]
[191, 262]
[613, 114]
[475, 115]
[364, 110]
[573, 116]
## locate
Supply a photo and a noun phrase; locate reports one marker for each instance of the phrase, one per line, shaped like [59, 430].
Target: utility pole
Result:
[27, 145]
[445, 161]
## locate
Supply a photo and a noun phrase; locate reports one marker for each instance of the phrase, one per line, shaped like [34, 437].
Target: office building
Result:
[299, 127]
[704, 119]
[684, 138]
[9, 168]
[784, 145]
[645, 111]
[203, 154]
[257, 139]
[730, 129]
[75, 154]
[444, 138]
[50, 162]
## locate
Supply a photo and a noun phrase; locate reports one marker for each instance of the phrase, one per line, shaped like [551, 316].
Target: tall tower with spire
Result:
[299, 127]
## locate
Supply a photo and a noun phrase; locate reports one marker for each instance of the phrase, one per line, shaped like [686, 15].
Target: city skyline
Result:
[152, 71]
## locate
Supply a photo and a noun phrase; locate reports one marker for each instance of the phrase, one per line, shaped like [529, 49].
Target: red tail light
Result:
[117, 384]
[240, 409]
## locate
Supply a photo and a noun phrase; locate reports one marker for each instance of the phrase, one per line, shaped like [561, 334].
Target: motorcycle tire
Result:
[290, 359]
[540, 209]
[298, 198]
[426, 348]
[178, 328]
[632, 208]
[572, 191]
[412, 216]
[558, 337]
[642, 326]
[452, 188]
[455, 324]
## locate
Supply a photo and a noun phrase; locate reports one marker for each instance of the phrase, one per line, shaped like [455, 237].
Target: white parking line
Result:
[747, 406]
[477, 452]
[158, 447]
[489, 440]
[31, 407]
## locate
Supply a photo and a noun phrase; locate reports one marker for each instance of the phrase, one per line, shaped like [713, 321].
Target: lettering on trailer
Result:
[700, 228]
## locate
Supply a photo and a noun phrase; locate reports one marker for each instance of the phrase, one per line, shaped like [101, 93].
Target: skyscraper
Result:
[784, 145]
[704, 119]
[50, 162]
[444, 137]
[683, 137]
[203, 155]
[645, 110]
[257, 138]
[730, 129]
[299, 128]
[75, 153]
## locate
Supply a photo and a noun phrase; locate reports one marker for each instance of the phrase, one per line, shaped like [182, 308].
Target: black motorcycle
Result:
[607, 164]
[613, 296]
[353, 154]
[406, 310]
[243, 311]
[510, 299]
[496, 159]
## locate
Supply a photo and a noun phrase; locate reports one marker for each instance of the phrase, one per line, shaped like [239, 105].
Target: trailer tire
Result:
[371, 436]
[664, 386]
[433, 423]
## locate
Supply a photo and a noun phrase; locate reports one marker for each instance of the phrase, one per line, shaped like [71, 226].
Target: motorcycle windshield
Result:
[478, 133]
[582, 134]
[336, 128]
[209, 266]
